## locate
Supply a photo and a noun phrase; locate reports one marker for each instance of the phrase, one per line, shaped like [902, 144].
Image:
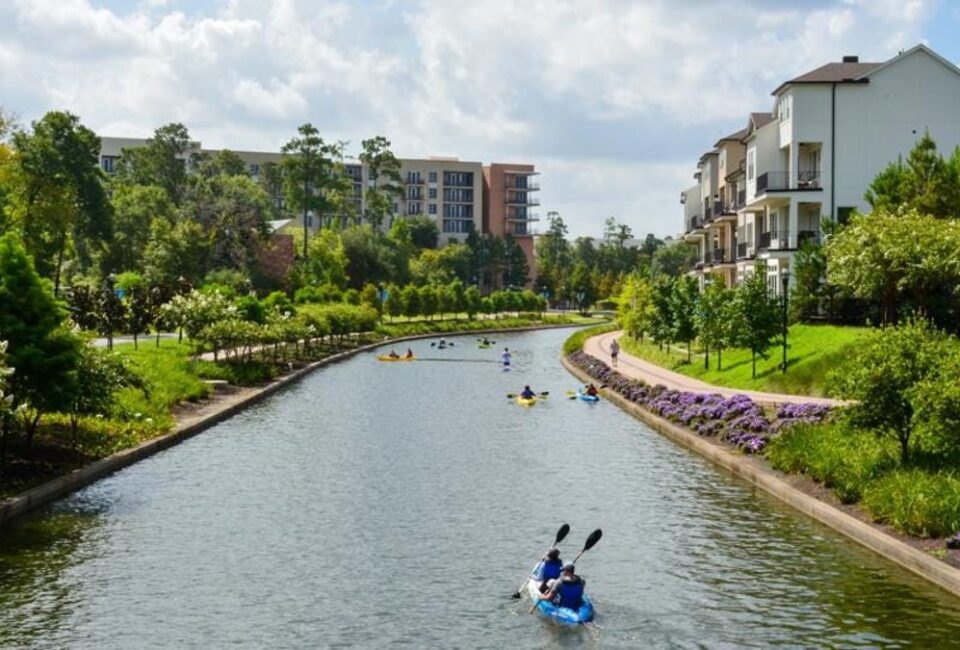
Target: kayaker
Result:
[526, 393]
[567, 590]
[551, 566]
[591, 390]
[506, 357]
[442, 344]
[486, 341]
[393, 354]
[409, 354]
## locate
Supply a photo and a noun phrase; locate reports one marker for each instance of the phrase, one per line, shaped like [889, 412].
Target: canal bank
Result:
[799, 492]
[215, 409]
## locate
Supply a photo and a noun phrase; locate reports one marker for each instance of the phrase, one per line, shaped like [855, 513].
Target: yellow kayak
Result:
[387, 357]
[526, 401]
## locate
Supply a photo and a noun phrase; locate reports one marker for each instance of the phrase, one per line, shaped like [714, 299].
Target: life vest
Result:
[551, 569]
[571, 593]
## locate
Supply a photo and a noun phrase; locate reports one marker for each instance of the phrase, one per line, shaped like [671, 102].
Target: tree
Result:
[369, 260]
[583, 286]
[309, 176]
[423, 232]
[175, 251]
[44, 353]
[162, 162]
[394, 304]
[134, 209]
[807, 292]
[411, 301]
[904, 262]
[516, 272]
[673, 260]
[138, 307]
[661, 317]
[887, 191]
[473, 301]
[884, 378]
[711, 318]
[221, 163]
[757, 315]
[384, 172]
[61, 194]
[635, 306]
[926, 183]
[429, 301]
[684, 307]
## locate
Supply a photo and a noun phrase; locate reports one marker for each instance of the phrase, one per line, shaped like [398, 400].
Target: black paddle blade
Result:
[564, 529]
[593, 539]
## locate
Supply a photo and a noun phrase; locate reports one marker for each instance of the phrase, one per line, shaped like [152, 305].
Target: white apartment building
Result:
[830, 132]
[447, 190]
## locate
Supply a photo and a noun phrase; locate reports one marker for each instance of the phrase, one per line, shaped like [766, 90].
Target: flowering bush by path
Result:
[737, 420]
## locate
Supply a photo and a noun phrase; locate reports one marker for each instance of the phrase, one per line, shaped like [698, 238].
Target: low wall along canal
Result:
[374, 503]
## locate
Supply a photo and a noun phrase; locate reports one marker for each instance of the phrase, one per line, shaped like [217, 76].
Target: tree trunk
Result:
[904, 439]
[720, 358]
[63, 244]
[158, 337]
[706, 357]
[689, 352]
[135, 341]
[32, 429]
[753, 361]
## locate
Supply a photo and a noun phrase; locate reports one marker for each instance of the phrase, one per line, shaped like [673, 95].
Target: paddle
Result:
[514, 395]
[590, 543]
[564, 529]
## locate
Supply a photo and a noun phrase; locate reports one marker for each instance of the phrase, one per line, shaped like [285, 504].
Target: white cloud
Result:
[628, 91]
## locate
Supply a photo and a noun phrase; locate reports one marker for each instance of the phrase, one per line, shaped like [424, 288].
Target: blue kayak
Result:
[565, 615]
[587, 398]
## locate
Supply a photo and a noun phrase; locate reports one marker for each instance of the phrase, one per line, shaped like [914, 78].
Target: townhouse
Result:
[460, 196]
[761, 192]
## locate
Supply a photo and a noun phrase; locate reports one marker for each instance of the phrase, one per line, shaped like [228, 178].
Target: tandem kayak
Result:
[587, 398]
[526, 401]
[387, 357]
[483, 346]
[565, 615]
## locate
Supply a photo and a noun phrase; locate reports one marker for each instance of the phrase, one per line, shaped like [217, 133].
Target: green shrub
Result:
[835, 454]
[243, 373]
[916, 502]
[575, 342]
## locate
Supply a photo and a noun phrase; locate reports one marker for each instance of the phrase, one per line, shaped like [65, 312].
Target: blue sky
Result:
[613, 100]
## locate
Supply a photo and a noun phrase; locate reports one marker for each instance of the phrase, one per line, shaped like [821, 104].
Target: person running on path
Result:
[506, 357]
[614, 351]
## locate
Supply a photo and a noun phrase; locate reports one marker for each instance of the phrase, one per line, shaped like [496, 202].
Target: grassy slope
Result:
[812, 351]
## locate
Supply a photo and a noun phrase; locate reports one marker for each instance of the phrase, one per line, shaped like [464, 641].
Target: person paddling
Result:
[393, 354]
[550, 568]
[567, 590]
[526, 393]
[591, 390]
[409, 354]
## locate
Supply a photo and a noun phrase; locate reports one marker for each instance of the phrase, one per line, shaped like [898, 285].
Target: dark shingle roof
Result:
[735, 137]
[831, 73]
[758, 120]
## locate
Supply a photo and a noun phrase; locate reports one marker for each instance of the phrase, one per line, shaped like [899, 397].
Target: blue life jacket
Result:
[571, 594]
[551, 569]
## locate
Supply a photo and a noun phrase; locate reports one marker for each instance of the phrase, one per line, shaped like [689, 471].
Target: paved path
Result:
[636, 368]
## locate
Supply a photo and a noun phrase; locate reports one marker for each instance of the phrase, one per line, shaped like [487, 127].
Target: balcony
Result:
[694, 223]
[708, 257]
[720, 256]
[533, 216]
[707, 214]
[414, 180]
[528, 201]
[527, 186]
[774, 241]
[780, 182]
[745, 251]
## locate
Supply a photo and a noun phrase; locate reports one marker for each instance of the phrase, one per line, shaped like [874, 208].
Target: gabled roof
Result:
[757, 121]
[920, 47]
[737, 136]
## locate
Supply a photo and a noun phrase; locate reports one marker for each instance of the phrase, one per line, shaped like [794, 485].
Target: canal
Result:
[375, 504]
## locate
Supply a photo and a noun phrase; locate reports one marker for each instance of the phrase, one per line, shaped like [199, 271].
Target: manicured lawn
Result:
[813, 350]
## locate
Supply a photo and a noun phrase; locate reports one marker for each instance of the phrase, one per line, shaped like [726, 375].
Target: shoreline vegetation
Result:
[829, 454]
[180, 384]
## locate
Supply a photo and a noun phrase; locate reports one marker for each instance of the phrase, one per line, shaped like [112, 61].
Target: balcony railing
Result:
[774, 241]
[745, 251]
[741, 198]
[720, 256]
[414, 180]
[811, 236]
[531, 201]
[780, 181]
[707, 214]
[694, 223]
[708, 257]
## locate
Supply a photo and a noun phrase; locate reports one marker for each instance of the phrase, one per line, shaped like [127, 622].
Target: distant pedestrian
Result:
[614, 351]
[507, 357]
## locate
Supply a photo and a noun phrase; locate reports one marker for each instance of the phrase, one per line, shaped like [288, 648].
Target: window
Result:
[108, 163]
[458, 211]
[458, 195]
[413, 208]
[432, 193]
[751, 163]
[432, 177]
[783, 108]
[433, 208]
[457, 226]
[254, 170]
[458, 179]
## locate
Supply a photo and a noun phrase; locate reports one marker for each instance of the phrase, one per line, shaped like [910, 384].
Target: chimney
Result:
[851, 58]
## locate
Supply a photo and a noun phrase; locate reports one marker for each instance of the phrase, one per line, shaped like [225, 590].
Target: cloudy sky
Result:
[612, 100]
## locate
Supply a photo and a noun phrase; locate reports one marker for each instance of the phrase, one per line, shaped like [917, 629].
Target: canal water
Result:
[378, 504]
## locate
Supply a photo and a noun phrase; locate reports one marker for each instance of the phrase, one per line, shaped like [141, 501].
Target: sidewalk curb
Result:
[60, 486]
[918, 562]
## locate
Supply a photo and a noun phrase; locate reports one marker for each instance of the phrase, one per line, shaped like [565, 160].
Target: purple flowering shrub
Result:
[737, 420]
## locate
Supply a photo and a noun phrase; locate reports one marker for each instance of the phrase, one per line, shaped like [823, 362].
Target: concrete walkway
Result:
[636, 368]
